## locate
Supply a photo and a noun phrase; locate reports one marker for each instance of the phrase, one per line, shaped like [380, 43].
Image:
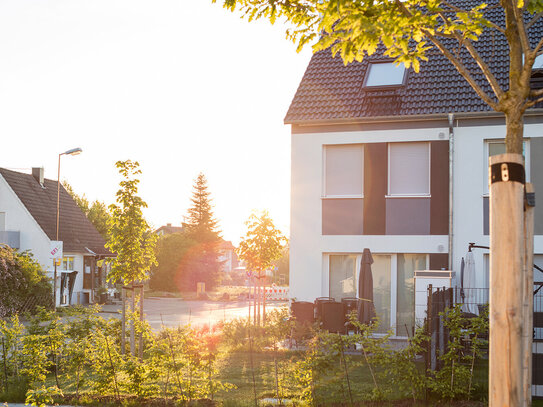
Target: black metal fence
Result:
[473, 301]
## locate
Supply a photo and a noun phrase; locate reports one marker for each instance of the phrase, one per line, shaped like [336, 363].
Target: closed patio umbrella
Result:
[468, 286]
[366, 309]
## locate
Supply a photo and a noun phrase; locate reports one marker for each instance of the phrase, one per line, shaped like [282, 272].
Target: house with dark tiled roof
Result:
[168, 229]
[28, 210]
[396, 161]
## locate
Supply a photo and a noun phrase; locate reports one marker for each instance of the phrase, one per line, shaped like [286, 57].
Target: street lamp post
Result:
[73, 151]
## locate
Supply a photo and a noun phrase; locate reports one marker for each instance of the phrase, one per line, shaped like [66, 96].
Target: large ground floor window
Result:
[393, 286]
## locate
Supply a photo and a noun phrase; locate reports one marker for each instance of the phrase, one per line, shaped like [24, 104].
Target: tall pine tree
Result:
[200, 263]
[200, 222]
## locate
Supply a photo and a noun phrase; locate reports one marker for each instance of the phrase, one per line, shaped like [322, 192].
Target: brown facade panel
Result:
[486, 215]
[439, 261]
[342, 216]
[537, 369]
[408, 216]
[375, 188]
[439, 188]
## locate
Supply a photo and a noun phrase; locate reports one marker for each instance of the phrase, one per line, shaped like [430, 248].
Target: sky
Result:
[181, 86]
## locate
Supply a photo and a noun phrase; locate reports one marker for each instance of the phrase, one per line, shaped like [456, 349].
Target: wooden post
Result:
[528, 304]
[254, 300]
[259, 296]
[141, 320]
[506, 280]
[132, 326]
[264, 304]
[123, 322]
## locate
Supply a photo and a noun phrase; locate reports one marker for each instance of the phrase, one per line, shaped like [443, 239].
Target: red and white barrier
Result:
[276, 293]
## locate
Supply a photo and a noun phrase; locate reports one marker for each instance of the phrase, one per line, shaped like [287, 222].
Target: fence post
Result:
[429, 328]
[123, 322]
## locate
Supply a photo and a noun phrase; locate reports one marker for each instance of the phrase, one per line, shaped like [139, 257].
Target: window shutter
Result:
[344, 174]
[409, 166]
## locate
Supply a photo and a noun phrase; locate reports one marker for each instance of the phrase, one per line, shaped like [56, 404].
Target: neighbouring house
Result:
[28, 210]
[227, 256]
[168, 229]
[395, 161]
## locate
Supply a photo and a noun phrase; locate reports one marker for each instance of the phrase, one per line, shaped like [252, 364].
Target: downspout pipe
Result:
[451, 187]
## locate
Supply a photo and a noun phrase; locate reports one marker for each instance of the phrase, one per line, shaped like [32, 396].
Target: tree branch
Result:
[533, 20]
[524, 41]
[532, 103]
[538, 46]
[536, 93]
[464, 72]
[484, 67]
[461, 68]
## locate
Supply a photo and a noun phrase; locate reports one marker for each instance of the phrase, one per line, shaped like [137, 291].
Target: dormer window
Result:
[385, 74]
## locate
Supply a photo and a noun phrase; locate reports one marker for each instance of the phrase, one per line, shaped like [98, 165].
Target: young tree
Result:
[129, 235]
[171, 252]
[97, 212]
[262, 245]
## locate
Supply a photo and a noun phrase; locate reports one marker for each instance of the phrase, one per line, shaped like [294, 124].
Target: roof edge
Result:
[403, 118]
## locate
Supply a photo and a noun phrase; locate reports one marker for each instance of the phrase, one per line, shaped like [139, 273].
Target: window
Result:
[405, 295]
[409, 169]
[385, 74]
[67, 263]
[496, 147]
[343, 276]
[344, 171]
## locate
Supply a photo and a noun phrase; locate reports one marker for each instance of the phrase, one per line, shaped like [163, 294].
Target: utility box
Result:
[423, 278]
[200, 288]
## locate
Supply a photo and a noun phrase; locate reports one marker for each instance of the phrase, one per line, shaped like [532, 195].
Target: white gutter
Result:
[451, 187]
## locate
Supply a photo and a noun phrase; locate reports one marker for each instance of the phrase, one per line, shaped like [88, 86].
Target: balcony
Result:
[11, 238]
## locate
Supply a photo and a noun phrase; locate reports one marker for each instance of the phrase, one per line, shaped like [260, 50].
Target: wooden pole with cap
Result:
[507, 252]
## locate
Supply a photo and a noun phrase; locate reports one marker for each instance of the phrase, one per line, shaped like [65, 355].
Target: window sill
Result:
[408, 196]
[343, 197]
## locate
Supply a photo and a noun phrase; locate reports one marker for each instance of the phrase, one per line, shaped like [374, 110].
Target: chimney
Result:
[169, 225]
[37, 173]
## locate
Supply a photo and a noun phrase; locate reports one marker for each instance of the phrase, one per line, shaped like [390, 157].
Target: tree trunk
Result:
[514, 123]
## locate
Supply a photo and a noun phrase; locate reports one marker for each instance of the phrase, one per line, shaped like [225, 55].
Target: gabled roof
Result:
[169, 229]
[75, 230]
[332, 92]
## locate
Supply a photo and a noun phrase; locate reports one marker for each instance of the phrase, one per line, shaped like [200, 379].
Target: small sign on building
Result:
[56, 249]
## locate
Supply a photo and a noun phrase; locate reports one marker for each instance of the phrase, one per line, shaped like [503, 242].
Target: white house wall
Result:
[470, 176]
[32, 237]
[309, 247]
[308, 279]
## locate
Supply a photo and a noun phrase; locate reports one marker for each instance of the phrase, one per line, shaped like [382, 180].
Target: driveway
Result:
[174, 312]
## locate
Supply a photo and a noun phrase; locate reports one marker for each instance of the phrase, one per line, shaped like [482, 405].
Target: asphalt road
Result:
[174, 312]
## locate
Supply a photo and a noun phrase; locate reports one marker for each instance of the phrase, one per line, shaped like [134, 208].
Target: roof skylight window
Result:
[385, 74]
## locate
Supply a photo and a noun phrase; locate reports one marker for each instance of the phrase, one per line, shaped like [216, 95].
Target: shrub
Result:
[21, 279]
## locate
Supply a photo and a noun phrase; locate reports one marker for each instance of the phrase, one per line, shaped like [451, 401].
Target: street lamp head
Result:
[73, 151]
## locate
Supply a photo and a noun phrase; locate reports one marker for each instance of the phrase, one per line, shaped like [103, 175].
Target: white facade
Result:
[32, 238]
[310, 249]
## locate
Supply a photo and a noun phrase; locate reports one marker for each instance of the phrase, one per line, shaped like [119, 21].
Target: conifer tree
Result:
[200, 263]
[200, 222]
